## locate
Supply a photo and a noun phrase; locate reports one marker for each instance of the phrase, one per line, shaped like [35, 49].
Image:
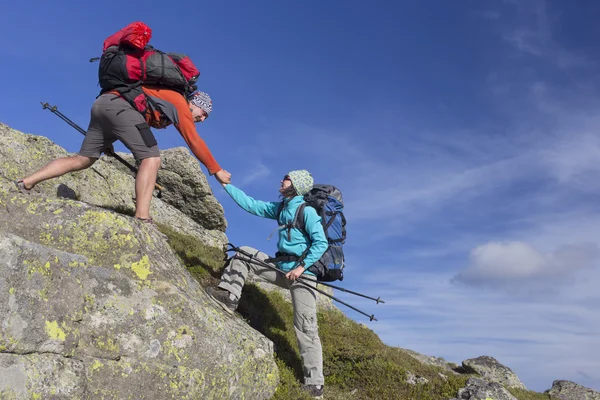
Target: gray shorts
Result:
[114, 119]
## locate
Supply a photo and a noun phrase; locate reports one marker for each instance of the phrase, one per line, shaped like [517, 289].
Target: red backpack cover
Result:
[128, 62]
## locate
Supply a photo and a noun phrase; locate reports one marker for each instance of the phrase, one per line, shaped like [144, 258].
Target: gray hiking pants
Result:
[303, 300]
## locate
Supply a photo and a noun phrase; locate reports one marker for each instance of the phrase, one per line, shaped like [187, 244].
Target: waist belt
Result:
[284, 257]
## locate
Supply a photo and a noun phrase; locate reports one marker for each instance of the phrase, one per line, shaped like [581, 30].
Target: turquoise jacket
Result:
[316, 241]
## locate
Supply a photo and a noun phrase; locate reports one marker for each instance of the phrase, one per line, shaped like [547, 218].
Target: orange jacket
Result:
[186, 126]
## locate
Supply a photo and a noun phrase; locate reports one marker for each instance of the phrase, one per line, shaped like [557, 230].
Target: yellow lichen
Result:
[96, 365]
[142, 268]
[54, 331]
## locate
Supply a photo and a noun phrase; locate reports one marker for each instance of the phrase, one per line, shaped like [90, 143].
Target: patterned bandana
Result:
[302, 181]
[202, 100]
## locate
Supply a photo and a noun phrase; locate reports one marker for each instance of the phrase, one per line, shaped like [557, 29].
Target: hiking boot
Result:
[314, 391]
[221, 297]
[20, 184]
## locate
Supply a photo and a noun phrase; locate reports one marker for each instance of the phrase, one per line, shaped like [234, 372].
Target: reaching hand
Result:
[295, 273]
[223, 177]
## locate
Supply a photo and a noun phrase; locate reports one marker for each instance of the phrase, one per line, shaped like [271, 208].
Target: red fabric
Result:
[134, 68]
[140, 103]
[136, 34]
[187, 67]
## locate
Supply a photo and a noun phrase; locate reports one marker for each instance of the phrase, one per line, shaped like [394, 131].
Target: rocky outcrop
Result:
[94, 304]
[186, 187]
[188, 205]
[480, 389]
[567, 390]
[435, 361]
[490, 369]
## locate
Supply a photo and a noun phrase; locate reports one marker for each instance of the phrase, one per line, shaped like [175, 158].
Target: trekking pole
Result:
[54, 110]
[300, 280]
[376, 300]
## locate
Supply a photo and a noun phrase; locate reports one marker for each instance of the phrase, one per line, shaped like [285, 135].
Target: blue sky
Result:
[462, 134]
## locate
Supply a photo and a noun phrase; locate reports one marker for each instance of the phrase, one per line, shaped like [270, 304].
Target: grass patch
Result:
[357, 365]
[529, 395]
[204, 262]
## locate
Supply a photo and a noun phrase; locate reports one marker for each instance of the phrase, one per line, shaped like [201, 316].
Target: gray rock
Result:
[109, 185]
[490, 369]
[435, 361]
[480, 389]
[567, 390]
[94, 304]
[186, 187]
[413, 379]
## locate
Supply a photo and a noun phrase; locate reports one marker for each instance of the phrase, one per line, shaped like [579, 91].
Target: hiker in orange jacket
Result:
[113, 118]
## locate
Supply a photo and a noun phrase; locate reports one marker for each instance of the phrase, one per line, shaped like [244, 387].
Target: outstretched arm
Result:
[266, 209]
[187, 128]
[197, 145]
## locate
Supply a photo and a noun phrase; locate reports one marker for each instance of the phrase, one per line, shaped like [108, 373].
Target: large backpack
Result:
[128, 62]
[327, 201]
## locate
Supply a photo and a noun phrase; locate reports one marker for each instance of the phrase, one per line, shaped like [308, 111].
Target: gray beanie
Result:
[202, 100]
[302, 181]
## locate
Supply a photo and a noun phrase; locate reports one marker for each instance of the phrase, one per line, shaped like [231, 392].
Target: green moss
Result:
[521, 394]
[204, 262]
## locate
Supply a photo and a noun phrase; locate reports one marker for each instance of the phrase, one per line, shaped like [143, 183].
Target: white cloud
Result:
[518, 263]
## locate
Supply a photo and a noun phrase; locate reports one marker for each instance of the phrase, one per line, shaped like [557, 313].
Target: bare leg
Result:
[58, 167]
[144, 185]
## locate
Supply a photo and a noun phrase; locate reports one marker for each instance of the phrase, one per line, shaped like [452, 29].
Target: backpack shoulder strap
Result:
[299, 220]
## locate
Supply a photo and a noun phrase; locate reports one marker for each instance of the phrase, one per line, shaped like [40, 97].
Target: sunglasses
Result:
[286, 178]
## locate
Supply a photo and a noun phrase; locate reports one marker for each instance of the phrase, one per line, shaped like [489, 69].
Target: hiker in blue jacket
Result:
[292, 244]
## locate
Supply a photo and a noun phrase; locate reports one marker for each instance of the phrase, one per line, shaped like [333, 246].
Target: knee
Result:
[150, 162]
[82, 162]
[248, 249]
